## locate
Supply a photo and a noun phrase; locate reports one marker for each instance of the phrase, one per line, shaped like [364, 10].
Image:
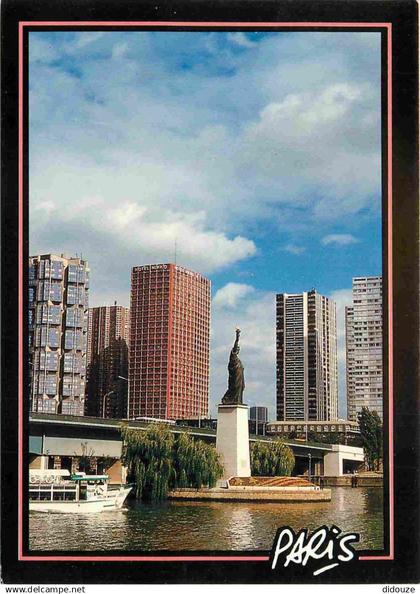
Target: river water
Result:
[213, 526]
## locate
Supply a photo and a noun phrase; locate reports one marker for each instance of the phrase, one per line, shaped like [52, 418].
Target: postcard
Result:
[210, 292]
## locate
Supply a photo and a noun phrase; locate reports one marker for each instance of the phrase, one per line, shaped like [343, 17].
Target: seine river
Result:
[179, 525]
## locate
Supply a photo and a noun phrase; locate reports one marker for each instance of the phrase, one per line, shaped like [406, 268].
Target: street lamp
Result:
[128, 399]
[104, 402]
[310, 470]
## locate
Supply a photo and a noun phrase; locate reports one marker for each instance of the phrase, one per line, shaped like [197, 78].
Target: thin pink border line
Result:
[20, 296]
[22, 24]
[198, 24]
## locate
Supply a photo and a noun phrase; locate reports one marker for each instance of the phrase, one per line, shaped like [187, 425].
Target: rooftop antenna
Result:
[175, 249]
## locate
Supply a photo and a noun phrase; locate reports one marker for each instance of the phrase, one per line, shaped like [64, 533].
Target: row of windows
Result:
[48, 314]
[72, 407]
[53, 291]
[77, 295]
[75, 317]
[48, 405]
[47, 269]
[75, 339]
[47, 337]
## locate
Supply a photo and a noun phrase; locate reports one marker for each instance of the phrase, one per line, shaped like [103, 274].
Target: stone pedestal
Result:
[232, 439]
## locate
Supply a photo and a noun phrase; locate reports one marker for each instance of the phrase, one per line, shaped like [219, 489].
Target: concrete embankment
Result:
[256, 495]
[351, 480]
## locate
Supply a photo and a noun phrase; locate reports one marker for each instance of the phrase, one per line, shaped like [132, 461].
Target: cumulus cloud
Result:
[229, 295]
[131, 118]
[339, 239]
[307, 140]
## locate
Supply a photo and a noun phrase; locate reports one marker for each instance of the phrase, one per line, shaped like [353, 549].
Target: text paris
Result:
[328, 544]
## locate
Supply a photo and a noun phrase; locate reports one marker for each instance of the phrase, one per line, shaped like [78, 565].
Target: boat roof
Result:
[81, 476]
[36, 472]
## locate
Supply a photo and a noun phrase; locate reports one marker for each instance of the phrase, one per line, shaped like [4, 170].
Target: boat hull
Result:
[115, 500]
[67, 507]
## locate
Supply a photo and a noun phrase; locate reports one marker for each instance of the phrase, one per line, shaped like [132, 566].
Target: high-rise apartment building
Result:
[58, 304]
[169, 342]
[306, 344]
[107, 362]
[364, 347]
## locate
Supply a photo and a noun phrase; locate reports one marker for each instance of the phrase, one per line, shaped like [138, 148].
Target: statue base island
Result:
[232, 437]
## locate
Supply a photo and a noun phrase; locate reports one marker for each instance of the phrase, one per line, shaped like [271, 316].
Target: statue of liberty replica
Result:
[236, 381]
[232, 436]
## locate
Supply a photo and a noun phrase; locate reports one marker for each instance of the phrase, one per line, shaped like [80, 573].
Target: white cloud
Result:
[339, 239]
[230, 294]
[119, 50]
[131, 228]
[296, 250]
[308, 140]
[82, 40]
[239, 38]
[176, 130]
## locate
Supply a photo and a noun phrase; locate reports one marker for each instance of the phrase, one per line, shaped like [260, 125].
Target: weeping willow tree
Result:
[158, 461]
[197, 464]
[148, 456]
[272, 458]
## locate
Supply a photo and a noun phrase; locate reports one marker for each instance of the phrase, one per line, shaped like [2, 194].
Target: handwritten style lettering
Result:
[324, 543]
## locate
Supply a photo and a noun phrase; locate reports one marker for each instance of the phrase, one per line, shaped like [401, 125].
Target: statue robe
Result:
[236, 382]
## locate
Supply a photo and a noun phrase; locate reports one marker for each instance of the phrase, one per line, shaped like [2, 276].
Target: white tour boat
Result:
[56, 491]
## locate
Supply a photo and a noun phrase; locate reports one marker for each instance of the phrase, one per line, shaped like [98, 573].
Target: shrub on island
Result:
[273, 458]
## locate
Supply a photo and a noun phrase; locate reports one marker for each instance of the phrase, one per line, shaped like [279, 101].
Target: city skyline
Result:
[105, 319]
[269, 182]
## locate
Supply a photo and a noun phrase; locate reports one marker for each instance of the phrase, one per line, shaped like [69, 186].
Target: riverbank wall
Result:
[350, 480]
[255, 495]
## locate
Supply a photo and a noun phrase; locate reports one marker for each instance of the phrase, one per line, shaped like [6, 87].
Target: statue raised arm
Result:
[236, 382]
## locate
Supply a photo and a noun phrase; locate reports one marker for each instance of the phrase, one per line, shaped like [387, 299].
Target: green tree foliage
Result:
[158, 461]
[312, 436]
[272, 458]
[371, 433]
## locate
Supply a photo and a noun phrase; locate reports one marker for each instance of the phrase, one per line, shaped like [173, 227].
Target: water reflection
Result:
[241, 528]
[212, 526]
[340, 498]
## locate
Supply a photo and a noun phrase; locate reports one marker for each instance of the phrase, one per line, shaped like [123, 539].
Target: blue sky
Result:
[257, 153]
